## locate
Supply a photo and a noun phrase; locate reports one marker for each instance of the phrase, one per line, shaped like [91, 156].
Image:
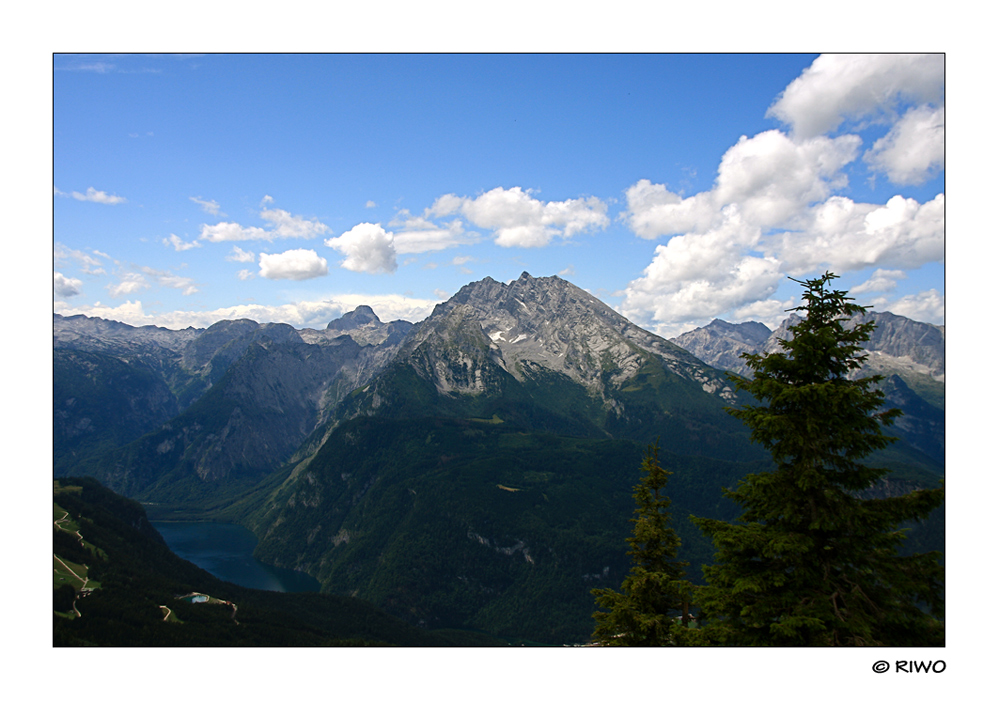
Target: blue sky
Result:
[676, 188]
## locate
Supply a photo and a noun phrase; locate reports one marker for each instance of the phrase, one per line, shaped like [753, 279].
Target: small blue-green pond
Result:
[226, 550]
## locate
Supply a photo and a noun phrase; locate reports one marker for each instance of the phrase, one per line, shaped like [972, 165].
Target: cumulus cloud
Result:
[699, 276]
[927, 307]
[776, 208]
[520, 220]
[65, 286]
[914, 148]
[854, 86]
[368, 249]
[845, 235]
[296, 264]
[93, 195]
[208, 206]
[238, 255]
[179, 244]
[771, 179]
[231, 231]
[283, 225]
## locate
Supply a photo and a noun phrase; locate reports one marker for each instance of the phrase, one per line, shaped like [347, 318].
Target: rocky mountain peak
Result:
[361, 316]
[550, 323]
[363, 326]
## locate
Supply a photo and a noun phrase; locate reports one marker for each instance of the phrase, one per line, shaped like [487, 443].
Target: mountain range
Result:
[909, 354]
[473, 470]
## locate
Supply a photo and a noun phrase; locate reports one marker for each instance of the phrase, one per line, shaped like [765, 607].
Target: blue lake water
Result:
[226, 550]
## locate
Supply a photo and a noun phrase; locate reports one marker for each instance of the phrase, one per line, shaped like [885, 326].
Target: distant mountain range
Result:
[909, 354]
[473, 470]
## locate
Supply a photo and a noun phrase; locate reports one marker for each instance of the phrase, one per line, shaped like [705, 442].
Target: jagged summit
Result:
[540, 323]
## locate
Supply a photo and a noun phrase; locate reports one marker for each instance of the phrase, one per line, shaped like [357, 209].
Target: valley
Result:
[472, 471]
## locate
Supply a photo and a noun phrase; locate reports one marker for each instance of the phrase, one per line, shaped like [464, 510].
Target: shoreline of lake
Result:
[226, 551]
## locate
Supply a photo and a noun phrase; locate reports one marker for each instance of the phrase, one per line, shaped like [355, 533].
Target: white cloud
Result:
[283, 225]
[854, 86]
[179, 244]
[771, 179]
[126, 312]
[130, 283]
[769, 312]
[309, 314]
[368, 249]
[99, 196]
[296, 264]
[287, 225]
[775, 208]
[420, 235]
[65, 286]
[208, 206]
[88, 264]
[914, 148]
[231, 231]
[238, 255]
[245, 274]
[927, 307]
[444, 205]
[846, 235]
[518, 219]
[370, 204]
[880, 281]
[696, 277]
[168, 279]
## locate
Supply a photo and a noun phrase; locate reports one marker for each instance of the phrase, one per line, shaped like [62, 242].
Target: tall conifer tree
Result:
[654, 594]
[813, 562]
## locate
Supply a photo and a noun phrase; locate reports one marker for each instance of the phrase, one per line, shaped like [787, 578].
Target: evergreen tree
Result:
[654, 593]
[813, 562]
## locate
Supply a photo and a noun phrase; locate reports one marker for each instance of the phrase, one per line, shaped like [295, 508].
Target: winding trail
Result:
[84, 581]
[58, 524]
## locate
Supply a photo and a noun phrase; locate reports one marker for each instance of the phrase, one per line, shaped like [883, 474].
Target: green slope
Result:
[473, 522]
[138, 575]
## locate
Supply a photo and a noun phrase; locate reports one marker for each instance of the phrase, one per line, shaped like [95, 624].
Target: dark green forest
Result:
[138, 574]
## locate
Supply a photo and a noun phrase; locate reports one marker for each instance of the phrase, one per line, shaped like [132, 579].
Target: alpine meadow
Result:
[491, 350]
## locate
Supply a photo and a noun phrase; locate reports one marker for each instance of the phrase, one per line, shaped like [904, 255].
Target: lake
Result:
[226, 550]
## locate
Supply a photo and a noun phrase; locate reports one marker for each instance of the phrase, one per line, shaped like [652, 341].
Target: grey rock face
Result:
[546, 322]
[720, 343]
[272, 388]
